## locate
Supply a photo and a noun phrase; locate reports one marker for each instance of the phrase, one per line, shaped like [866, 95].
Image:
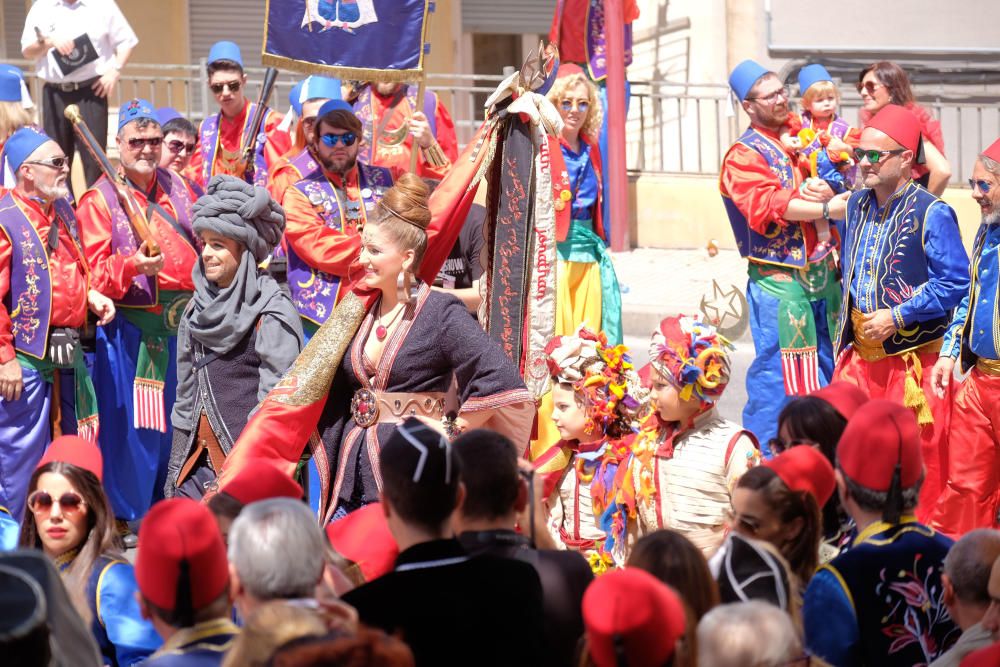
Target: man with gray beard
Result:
[44, 296]
[972, 496]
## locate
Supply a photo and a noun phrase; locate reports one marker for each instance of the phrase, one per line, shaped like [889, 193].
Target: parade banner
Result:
[371, 40]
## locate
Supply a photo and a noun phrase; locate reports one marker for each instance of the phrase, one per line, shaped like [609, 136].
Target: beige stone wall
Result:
[679, 211]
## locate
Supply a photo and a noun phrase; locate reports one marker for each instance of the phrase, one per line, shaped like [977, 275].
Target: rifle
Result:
[135, 215]
[249, 148]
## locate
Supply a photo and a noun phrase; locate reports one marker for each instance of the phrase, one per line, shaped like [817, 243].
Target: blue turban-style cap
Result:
[10, 84]
[167, 114]
[134, 110]
[20, 146]
[334, 105]
[225, 51]
[744, 76]
[811, 74]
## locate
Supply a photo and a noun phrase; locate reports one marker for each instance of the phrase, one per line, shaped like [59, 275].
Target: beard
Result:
[339, 165]
[53, 192]
[992, 217]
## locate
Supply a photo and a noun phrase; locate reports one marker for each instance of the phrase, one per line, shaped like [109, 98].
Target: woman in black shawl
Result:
[238, 336]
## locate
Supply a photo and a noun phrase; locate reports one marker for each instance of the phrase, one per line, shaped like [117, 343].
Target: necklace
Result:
[382, 330]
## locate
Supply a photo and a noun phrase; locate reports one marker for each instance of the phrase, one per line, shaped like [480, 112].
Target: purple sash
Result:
[30, 282]
[363, 110]
[314, 292]
[838, 126]
[597, 43]
[143, 290]
[209, 139]
[304, 164]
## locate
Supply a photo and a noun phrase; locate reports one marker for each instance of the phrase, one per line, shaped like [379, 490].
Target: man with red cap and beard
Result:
[972, 496]
[882, 601]
[904, 270]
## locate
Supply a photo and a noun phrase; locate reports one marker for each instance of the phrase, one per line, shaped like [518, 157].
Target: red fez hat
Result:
[181, 561]
[984, 657]
[845, 397]
[568, 69]
[260, 480]
[878, 436]
[993, 152]
[363, 537]
[77, 451]
[901, 125]
[631, 608]
[804, 468]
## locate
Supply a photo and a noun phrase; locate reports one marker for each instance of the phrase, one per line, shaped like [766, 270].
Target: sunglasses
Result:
[331, 140]
[218, 88]
[873, 155]
[42, 501]
[569, 105]
[137, 143]
[52, 162]
[982, 186]
[869, 86]
[176, 146]
[773, 97]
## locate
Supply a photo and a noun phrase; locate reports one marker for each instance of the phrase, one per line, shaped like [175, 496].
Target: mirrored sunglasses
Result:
[873, 155]
[52, 162]
[982, 186]
[331, 140]
[569, 105]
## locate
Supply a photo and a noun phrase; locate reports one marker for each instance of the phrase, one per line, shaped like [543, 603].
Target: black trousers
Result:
[94, 110]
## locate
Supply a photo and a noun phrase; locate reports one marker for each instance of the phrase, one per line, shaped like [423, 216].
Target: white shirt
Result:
[101, 20]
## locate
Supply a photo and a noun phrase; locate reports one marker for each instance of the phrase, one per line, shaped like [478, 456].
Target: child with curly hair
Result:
[596, 409]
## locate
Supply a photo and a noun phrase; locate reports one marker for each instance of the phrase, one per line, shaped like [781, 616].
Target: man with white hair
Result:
[275, 553]
[45, 294]
[965, 581]
[747, 633]
[971, 498]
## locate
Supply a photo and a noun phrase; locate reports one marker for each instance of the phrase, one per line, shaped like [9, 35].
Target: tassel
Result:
[913, 396]
[894, 500]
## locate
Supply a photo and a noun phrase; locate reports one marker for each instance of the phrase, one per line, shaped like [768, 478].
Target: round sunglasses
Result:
[331, 140]
[569, 105]
[42, 501]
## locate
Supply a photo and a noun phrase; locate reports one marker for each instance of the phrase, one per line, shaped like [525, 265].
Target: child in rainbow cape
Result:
[687, 459]
[596, 408]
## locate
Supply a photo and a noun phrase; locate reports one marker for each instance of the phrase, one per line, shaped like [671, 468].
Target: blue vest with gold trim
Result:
[894, 581]
[893, 239]
[784, 247]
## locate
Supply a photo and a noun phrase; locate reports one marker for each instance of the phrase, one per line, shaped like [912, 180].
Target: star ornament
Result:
[727, 311]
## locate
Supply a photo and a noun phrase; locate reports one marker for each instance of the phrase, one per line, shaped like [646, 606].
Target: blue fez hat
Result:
[134, 110]
[811, 74]
[225, 51]
[314, 88]
[744, 76]
[167, 114]
[20, 146]
[334, 105]
[10, 84]
[295, 96]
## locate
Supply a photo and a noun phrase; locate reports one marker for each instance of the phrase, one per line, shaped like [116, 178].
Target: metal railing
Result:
[185, 87]
[672, 127]
[680, 128]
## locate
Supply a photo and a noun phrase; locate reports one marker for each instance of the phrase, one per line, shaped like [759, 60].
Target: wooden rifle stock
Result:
[249, 148]
[135, 215]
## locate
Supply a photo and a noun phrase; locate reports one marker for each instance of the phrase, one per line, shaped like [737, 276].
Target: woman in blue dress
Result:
[70, 520]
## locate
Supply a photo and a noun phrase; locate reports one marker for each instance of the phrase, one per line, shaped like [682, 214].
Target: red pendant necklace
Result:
[382, 330]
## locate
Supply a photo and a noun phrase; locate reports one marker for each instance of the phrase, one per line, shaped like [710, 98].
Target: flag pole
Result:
[422, 84]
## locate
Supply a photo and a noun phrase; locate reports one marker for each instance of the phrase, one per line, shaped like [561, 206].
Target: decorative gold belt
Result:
[372, 407]
[871, 350]
[988, 366]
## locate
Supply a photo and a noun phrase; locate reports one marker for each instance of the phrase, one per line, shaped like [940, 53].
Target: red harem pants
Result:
[885, 379]
[972, 494]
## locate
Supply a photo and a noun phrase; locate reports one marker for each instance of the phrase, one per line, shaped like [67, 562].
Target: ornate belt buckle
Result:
[364, 408]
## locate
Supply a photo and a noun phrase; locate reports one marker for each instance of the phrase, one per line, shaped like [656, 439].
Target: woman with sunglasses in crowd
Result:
[885, 83]
[587, 290]
[70, 520]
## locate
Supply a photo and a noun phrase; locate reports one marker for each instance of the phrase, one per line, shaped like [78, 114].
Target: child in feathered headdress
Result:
[687, 459]
[596, 409]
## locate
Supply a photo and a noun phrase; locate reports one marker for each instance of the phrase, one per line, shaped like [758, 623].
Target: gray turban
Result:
[237, 210]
